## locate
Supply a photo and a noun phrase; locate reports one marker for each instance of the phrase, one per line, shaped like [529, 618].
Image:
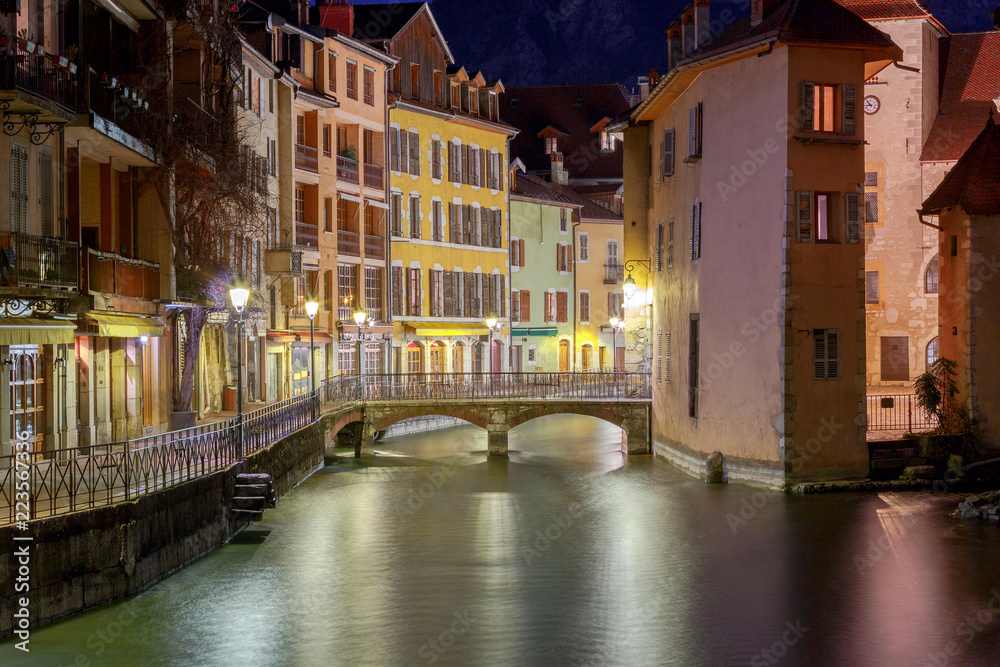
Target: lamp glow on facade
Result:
[491, 322]
[360, 316]
[312, 307]
[239, 297]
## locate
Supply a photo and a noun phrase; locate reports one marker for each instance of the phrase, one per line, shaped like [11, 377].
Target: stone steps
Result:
[252, 494]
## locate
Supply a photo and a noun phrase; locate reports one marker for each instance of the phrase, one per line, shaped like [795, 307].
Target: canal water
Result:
[567, 554]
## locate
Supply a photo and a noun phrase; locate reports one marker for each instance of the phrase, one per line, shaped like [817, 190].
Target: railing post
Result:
[909, 412]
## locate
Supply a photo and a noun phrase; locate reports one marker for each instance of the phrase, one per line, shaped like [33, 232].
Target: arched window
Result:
[931, 277]
[586, 356]
[932, 352]
[457, 358]
[413, 359]
[437, 357]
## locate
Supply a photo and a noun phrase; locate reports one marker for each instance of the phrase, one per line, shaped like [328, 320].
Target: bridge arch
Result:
[383, 419]
[601, 412]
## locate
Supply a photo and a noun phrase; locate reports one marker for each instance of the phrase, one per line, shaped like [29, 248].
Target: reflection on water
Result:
[567, 554]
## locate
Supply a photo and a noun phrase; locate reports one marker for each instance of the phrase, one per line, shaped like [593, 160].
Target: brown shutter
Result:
[482, 166]
[525, 305]
[562, 299]
[470, 287]
[404, 151]
[452, 231]
[414, 153]
[521, 244]
[501, 169]
[503, 295]
[465, 164]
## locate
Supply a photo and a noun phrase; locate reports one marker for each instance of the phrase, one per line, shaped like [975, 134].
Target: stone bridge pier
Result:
[498, 417]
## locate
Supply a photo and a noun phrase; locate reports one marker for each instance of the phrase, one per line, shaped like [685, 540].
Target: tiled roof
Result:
[798, 21]
[383, 21]
[971, 83]
[591, 210]
[974, 183]
[573, 109]
[532, 187]
[875, 10]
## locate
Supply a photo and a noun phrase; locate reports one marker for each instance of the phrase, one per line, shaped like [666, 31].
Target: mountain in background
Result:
[536, 42]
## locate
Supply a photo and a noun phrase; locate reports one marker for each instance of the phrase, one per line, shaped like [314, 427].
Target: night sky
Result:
[535, 42]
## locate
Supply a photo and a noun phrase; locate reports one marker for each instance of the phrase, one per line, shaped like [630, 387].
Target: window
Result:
[332, 74]
[373, 359]
[457, 357]
[396, 214]
[823, 108]
[871, 179]
[551, 145]
[548, 311]
[414, 142]
[562, 307]
[437, 293]
[932, 352]
[586, 356]
[607, 142]
[369, 84]
[326, 140]
[820, 109]
[328, 214]
[694, 343]
[436, 161]
[826, 354]
[438, 88]
[413, 365]
[613, 253]
[414, 217]
[563, 220]
[584, 247]
[584, 307]
[272, 159]
[397, 290]
[932, 276]
[871, 206]
[515, 306]
[394, 148]
[347, 291]
[658, 245]
[300, 205]
[455, 96]
[415, 81]
[694, 132]
[816, 221]
[695, 240]
[415, 292]
[616, 305]
[352, 80]
[343, 215]
[346, 358]
[300, 130]
[437, 220]
[562, 257]
[667, 153]
[871, 287]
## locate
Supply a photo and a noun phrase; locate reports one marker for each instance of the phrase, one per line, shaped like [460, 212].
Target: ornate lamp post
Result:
[239, 295]
[361, 319]
[629, 284]
[312, 307]
[616, 326]
[495, 326]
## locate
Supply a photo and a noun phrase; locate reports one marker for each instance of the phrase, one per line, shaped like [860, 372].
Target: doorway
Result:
[564, 356]
[27, 395]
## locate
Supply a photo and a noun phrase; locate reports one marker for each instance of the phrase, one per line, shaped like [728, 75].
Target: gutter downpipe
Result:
[575, 297]
[387, 357]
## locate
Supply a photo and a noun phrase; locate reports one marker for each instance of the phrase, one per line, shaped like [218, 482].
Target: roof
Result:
[573, 109]
[879, 10]
[971, 84]
[532, 187]
[811, 21]
[974, 183]
[382, 22]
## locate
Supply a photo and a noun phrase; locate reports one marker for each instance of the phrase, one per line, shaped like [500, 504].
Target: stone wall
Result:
[89, 558]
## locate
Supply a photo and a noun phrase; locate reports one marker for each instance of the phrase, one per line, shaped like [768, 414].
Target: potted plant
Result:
[25, 42]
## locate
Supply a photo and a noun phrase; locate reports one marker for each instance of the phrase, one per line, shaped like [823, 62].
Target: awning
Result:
[447, 329]
[378, 204]
[534, 331]
[126, 326]
[353, 198]
[319, 338]
[35, 331]
[280, 337]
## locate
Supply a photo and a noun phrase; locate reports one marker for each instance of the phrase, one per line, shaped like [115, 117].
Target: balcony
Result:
[374, 247]
[108, 273]
[283, 259]
[35, 261]
[36, 74]
[307, 158]
[614, 274]
[374, 177]
[109, 99]
[307, 235]
[348, 243]
[347, 169]
[200, 127]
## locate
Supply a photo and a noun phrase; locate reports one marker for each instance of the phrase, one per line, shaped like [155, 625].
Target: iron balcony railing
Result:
[307, 235]
[109, 273]
[69, 480]
[898, 412]
[374, 177]
[306, 157]
[347, 169]
[116, 104]
[200, 127]
[37, 261]
[36, 74]
[348, 243]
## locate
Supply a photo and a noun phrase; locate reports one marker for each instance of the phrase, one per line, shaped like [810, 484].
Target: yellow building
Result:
[448, 206]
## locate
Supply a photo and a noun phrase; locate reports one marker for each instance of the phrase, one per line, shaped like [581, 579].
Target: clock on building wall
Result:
[872, 105]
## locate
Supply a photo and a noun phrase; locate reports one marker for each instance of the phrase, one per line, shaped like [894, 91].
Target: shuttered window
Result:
[19, 188]
[808, 106]
[414, 217]
[849, 109]
[667, 153]
[659, 355]
[437, 294]
[695, 241]
[871, 287]
[525, 307]
[548, 314]
[414, 153]
[804, 216]
[562, 307]
[658, 256]
[666, 357]
[852, 217]
[871, 207]
[584, 307]
[45, 201]
[414, 292]
[826, 354]
[404, 151]
[694, 132]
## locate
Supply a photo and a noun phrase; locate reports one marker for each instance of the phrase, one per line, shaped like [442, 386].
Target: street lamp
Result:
[629, 284]
[312, 307]
[495, 326]
[616, 326]
[239, 295]
[360, 318]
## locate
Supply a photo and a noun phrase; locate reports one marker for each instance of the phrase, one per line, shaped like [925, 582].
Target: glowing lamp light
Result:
[144, 339]
[629, 286]
[360, 316]
[614, 322]
[239, 296]
[312, 307]
[491, 322]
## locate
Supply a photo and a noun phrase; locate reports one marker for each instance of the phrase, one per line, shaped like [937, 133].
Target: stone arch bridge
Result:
[497, 404]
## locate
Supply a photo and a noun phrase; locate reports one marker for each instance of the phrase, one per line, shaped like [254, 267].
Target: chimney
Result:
[702, 23]
[654, 78]
[336, 15]
[643, 88]
[758, 8]
[559, 174]
[673, 45]
[687, 30]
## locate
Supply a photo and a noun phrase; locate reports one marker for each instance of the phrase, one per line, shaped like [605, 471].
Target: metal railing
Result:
[115, 104]
[70, 480]
[306, 157]
[374, 247]
[307, 234]
[898, 412]
[614, 274]
[348, 243]
[36, 74]
[113, 274]
[38, 261]
[200, 127]
[374, 176]
[347, 169]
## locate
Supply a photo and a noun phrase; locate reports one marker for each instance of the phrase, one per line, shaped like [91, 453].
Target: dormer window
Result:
[493, 106]
[551, 145]
[607, 141]
[473, 101]
[455, 95]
